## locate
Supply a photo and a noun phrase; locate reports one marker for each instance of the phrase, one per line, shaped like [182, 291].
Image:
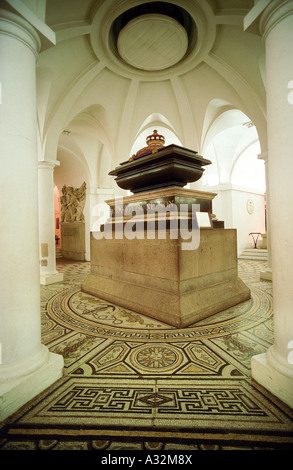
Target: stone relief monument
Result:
[72, 222]
[72, 203]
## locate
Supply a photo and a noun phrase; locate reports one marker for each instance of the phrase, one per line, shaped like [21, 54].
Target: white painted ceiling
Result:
[121, 68]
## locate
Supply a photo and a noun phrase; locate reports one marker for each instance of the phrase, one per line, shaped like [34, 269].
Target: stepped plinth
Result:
[161, 252]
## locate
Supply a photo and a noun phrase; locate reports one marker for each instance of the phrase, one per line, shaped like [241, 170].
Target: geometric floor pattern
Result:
[134, 383]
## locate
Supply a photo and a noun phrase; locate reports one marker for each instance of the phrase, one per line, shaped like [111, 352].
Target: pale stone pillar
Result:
[97, 212]
[27, 367]
[274, 369]
[48, 272]
[266, 274]
[99, 209]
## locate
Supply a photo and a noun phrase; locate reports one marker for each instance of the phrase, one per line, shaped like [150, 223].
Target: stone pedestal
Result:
[157, 273]
[159, 279]
[73, 240]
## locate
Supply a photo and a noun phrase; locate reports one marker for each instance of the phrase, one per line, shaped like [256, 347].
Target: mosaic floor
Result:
[132, 383]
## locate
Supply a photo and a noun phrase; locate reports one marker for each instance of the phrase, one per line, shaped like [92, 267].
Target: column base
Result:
[266, 275]
[50, 278]
[16, 392]
[272, 378]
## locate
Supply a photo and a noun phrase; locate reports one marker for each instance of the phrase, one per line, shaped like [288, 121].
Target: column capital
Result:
[14, 26]
[275, 12]
[96, 191]
[47, 164]
[265, 15]
[32, 15]
[263, 156]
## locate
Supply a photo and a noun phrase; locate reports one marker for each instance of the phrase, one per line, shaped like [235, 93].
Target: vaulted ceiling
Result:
[122, 67]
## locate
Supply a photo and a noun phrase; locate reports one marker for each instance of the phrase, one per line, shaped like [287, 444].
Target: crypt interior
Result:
[83, 85]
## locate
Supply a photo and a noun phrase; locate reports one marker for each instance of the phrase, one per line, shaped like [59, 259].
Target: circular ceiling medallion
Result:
[152, 42]
[152, 39]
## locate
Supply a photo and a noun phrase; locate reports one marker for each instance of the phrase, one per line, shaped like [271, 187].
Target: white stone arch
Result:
[87, 135]
[214, 110]
[64, 112]
[228, 137]
[162, 125]
[236, 175]
[248, 170]
[72, 170]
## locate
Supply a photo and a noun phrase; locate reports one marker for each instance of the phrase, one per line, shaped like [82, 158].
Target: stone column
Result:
[266, 274]
[48, 272]
[27, 367]
[96, 212]
[274, 369]
[99, 209]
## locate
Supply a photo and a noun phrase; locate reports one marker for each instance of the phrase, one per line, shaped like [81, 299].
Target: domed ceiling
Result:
[122, 67]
